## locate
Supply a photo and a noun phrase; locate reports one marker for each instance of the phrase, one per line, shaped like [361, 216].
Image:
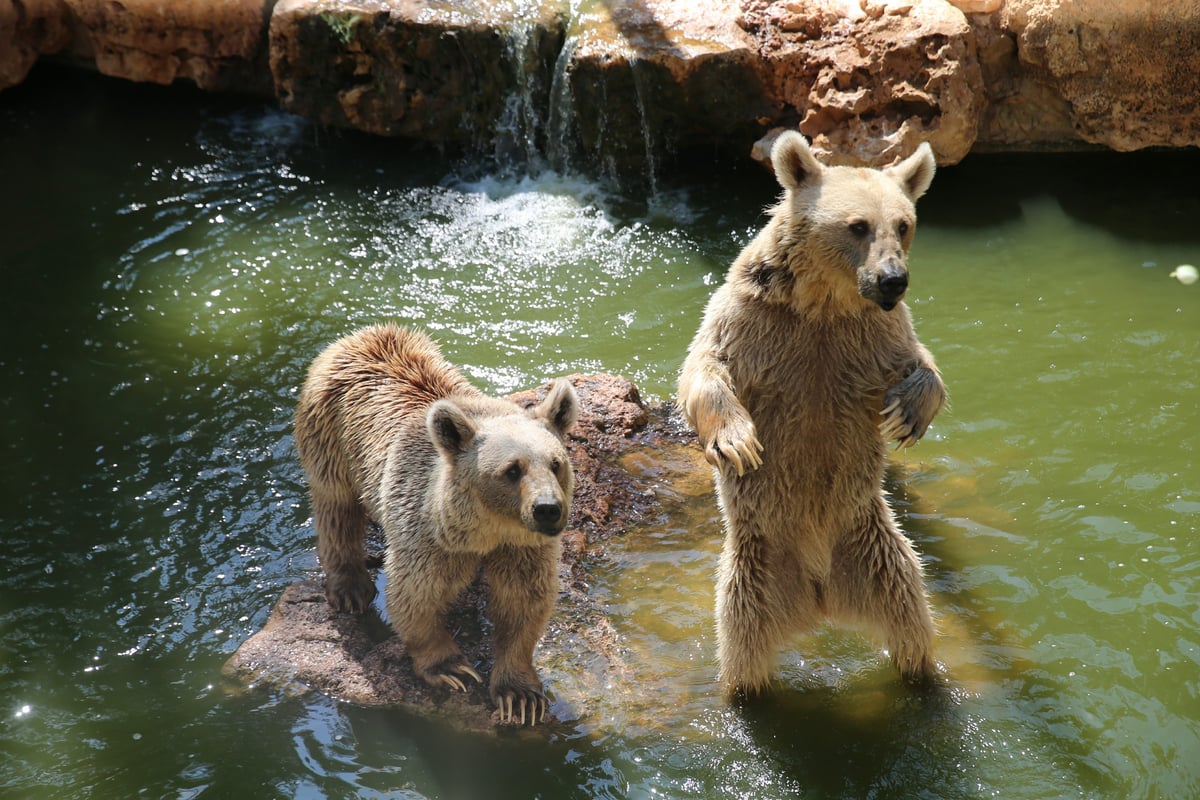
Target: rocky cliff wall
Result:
[630, 86]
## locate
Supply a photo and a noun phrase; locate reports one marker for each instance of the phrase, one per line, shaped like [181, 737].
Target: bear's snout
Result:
[893, 285]
[548, 516]
[890, 286]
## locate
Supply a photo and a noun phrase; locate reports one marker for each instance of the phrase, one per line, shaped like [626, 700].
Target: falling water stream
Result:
[174, 260]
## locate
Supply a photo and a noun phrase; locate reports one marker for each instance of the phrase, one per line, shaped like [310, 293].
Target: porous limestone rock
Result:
[868, 81]
[219, 46]
[1126, 72]
[644, 80]
[436, 72]
[28, 30]
[639, 88]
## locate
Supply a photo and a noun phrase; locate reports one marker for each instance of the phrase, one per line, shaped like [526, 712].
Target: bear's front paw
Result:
[450, 674]
[350, 592]
[735, 445]
[900, 424]
[518, 700]
[909, 407]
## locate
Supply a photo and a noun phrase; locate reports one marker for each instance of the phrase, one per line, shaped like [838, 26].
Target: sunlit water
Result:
[172, 262]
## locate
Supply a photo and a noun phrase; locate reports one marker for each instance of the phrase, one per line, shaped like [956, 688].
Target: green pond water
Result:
[172, 262]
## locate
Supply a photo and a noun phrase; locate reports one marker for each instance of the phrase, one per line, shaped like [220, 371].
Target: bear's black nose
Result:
[547, 515]
[893, 285]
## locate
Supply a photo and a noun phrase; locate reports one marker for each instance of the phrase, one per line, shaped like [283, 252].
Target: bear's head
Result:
[857, 220]
[509, 469]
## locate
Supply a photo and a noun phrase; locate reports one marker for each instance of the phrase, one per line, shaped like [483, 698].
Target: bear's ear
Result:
[793, 161]
[560, 409]
[915, 173]
[449, 428]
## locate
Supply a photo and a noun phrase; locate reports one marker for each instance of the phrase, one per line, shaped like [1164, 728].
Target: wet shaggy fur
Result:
[387, 430]
[804, 365]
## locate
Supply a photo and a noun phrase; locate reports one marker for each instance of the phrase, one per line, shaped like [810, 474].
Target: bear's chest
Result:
[789, 366]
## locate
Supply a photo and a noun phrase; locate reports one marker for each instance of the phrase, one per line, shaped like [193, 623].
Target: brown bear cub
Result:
[389, 431]
[805, 364]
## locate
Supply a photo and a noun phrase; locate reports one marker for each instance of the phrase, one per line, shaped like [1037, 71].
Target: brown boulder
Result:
[1125, 72]
[869, 81]
[219, 46]
[645, 80]
[423, 70]
[28, 30]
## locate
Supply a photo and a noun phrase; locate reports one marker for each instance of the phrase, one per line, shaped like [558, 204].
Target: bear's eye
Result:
[860, 228]
[555, 466]
[902, 228]
[514, 472]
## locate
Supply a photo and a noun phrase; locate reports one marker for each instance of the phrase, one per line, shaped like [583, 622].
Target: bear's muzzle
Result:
[548, 516]
[890, 286]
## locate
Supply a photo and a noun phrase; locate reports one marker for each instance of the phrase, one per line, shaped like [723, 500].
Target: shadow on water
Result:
[891, 743]
[1105, 190]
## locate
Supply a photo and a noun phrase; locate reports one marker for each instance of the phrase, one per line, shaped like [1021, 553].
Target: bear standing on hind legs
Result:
[389, 431]
[805, 364]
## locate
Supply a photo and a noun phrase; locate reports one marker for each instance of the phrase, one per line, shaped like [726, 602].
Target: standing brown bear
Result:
[389, 431]
[804, 365]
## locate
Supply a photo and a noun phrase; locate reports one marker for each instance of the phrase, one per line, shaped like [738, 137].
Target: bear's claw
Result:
[535, 702]
[899, 425]
[909, 406]
[735, 446]
[350, 594]
[451, 676]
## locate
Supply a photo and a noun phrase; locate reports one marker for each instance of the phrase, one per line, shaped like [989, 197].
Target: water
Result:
[174, 260]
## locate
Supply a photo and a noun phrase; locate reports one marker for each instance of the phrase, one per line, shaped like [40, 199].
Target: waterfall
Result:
[517, 130]
[639, 90]
[541, 126]
[563, 125]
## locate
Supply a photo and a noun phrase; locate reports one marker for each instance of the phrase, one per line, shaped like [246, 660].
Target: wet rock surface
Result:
[637, 87]
[621, 450]
[437, 72]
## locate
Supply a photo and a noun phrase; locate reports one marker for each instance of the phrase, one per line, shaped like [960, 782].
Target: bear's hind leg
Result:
[522, 588]
[751, 625]
[341, 547]
[877, 581]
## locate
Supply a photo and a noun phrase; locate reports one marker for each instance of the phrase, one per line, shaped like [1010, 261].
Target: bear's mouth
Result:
[550, 529]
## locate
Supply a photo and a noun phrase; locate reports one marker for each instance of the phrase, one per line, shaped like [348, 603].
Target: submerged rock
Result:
[620, 451]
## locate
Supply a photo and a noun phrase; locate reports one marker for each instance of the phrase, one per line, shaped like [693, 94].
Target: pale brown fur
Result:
[805, 363]
[389, 431]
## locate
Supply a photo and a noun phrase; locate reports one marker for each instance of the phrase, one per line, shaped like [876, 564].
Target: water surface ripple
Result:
[174, 261]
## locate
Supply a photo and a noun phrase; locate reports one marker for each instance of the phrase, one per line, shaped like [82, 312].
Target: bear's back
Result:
[362, 392]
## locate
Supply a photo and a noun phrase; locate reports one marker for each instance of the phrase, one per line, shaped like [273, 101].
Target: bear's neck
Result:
[776, 268]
